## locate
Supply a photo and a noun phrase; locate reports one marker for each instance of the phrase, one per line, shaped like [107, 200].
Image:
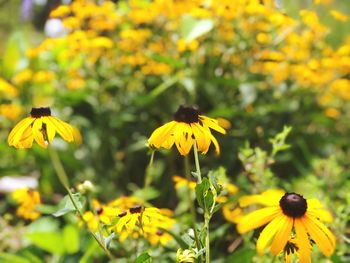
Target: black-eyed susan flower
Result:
[27, 199]
[187, 128]
[286, 214]
[42, 128]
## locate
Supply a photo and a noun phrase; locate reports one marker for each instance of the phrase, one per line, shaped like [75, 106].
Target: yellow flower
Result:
[10, 111]
[180, 182]
[42, 128]
[232, 213]
[284, 214]
[27, 200]
[7, 89]
[338, 16]
[188, 127]
[185, 256]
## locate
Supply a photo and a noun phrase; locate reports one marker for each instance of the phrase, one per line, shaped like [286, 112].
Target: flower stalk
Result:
[63, 178]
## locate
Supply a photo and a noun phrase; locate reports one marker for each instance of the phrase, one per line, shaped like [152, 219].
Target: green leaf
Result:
[203, 194]
[71, 239]
[10, 258]
[14, 55]
[192, 28]
[51, 242]
[65, 205]
[143, 258]
[244, 255]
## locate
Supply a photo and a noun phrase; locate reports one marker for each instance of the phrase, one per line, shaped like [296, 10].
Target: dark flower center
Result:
[293, 205]
[159, 232]
[39, 112]
[122, 214]
[135, 209]
[99, 210]
[188, 114]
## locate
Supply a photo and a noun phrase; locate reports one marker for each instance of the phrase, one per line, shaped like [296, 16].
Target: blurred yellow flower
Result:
[7, 89]
[23, 77]
[185, 256]
[27, 200]
[283, 214]
[10, 111]
[181, 182]
[337, 15]
[332, 113]
[42, 128]
[188, 127]
[341, 88]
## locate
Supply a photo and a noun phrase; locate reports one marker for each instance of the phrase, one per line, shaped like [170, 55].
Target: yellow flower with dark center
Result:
[187, 128]
[284, 214]
[27, 200]
[42, 128]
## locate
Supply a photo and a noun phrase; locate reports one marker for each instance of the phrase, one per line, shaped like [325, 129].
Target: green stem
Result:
[191, 203]
[63, 178]
[207, 212]
[149, 171]
[198, 169]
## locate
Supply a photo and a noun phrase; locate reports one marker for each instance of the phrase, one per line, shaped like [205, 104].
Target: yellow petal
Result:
[77, 135]
[303, 242]
[212, 124]
[183, 138]
[268, 233]
[268, 198]
[320, 234]
[282, 235]
[63, 128]
[216, 144]
[50, 129]
[257, 218]
[161, 134]
[16, 133]
[27, 138]
[202, 137]
[38, 132]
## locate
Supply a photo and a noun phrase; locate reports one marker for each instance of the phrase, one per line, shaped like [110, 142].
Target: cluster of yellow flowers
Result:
[27, 200]
[249, 34]
[128, 217]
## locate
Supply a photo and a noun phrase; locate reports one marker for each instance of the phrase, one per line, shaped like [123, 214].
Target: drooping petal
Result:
[282, 235]
[38, 132]
[303, 242]
[268, 233]
[63, 129]
[50, 129]
[161, 134]
[27, 138]
[183, 143]
[216, 144]
[257, 218]
[212, 124]
[202, 137]
[16, 133]
[320, 234]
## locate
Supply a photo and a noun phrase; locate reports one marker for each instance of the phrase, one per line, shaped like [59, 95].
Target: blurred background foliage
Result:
[120, 69]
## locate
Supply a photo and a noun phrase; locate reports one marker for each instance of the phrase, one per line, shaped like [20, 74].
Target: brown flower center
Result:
[135, 209]
[293, 205]
[39, 112]
[187, 114]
